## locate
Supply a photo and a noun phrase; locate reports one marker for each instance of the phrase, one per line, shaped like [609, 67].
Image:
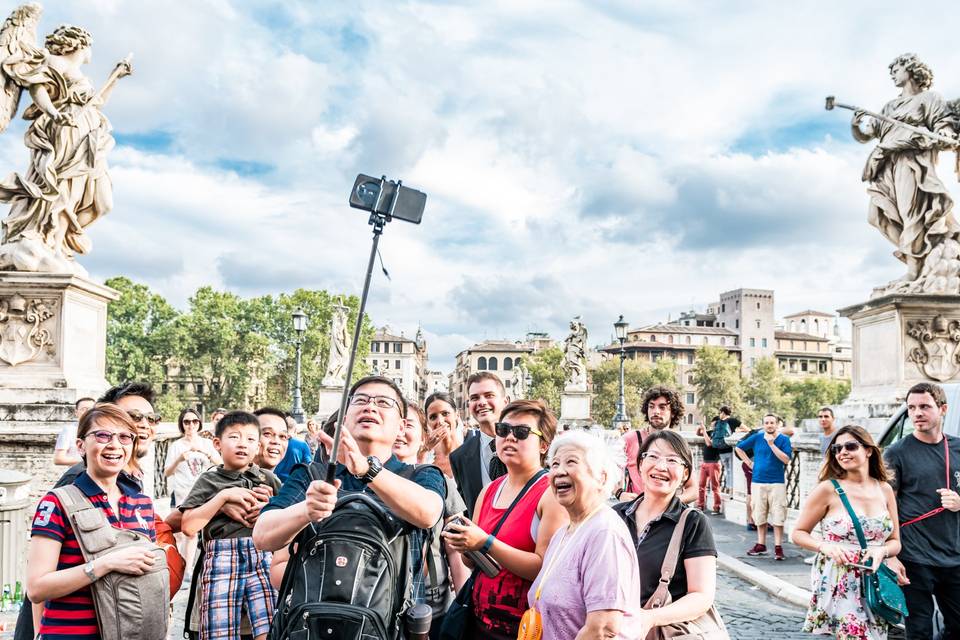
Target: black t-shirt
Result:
[919, 469]
[697, 542]
[710, 454]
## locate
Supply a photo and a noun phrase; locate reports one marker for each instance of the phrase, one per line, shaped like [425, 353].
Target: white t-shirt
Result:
[187, 472]
[148, 467]
[67, 440]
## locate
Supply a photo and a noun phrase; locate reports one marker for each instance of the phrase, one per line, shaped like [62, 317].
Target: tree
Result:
[142, 333]
[546, 373]
[809, 395]
[716, 377]
[637, 378]
[764, 393]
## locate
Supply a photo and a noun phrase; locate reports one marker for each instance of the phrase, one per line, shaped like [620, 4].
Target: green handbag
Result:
[881, 593]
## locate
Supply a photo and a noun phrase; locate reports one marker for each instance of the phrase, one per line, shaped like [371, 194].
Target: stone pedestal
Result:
[575, 408]
[329, 401]
[52, 352]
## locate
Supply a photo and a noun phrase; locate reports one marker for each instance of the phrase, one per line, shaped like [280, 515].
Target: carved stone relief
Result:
[25, 331]
[936, 351]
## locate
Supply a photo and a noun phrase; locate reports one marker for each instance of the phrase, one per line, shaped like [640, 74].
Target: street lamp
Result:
[620, 421]
[528, 383]
[300, 326]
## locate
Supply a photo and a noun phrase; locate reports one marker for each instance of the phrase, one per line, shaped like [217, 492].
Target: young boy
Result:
[235, 574]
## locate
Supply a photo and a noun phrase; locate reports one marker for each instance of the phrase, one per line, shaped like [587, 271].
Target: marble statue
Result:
[518, 382]
[336, 375]
[575, 357]
[909, 204]
[66, 187]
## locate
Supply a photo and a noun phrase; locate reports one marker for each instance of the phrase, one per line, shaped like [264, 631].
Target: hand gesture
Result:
[837, 553]
[238, 513]
[263, 492]
[436, 437]
[348, 454]
[321, 499]
[134, 561]
[465, 536]
[900, 570]
[240, 496]
[123, 68]
[769, 437]
[62, 118]
[874, 556]
[950, 500]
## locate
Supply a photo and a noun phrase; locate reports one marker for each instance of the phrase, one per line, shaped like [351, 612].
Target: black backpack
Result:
[350, 576]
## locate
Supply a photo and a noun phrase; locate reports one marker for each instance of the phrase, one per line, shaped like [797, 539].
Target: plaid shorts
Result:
[235, 575]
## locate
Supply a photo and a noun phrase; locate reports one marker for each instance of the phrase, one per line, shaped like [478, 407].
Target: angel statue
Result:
[575, 357]
[66, 187]
[336, 374]
[909, 203]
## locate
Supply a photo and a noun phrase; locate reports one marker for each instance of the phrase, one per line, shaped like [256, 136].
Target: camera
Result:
[490, 567]
[388, 198]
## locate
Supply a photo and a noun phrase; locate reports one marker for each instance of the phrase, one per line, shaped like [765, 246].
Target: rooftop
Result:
[679, 328]
[790, 335]
[499, 345]
[810, 312]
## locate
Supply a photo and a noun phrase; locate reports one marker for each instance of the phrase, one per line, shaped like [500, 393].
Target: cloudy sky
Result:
[591, 158]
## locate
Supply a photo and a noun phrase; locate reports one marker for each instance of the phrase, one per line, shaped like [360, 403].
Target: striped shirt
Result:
[72, 616]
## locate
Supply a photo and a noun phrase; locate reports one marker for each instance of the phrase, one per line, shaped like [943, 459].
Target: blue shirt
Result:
[298, 452]
[767, 468]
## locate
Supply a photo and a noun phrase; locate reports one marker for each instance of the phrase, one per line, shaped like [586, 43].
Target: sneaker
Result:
[757, 550]
[778, 553]
[809, 560]
[716, 512]
[751, 527]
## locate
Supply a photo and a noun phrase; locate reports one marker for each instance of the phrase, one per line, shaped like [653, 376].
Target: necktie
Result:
[496, 467]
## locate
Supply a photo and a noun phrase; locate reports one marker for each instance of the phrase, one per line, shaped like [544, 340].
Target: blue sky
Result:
[580, 158]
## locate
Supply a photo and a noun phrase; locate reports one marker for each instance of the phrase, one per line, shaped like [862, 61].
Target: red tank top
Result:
[499, 603]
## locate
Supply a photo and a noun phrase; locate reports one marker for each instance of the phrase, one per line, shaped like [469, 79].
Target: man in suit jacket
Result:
[471, 461]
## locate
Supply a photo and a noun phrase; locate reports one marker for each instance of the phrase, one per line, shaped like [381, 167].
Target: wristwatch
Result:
[374, 467]
[89, 572]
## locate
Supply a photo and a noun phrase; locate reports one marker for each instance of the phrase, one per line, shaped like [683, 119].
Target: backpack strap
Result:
[661, 596]
[90, 525]
[853, 514]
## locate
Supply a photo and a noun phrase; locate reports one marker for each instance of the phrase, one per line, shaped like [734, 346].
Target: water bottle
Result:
[17, 596]
[5, 599]
[417, 621]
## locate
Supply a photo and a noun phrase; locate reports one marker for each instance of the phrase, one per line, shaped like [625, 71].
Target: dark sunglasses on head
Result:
[137, 416]
[104, 437]
[520, 431]
[853, 445]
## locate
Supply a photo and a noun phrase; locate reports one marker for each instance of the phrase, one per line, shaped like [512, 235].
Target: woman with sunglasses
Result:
[665, 464]
[523, 437]
[837, 607]
[56, 572]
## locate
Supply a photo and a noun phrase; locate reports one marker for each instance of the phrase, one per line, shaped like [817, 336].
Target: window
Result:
[723, 342]
[758, 305]
[689, 378]
[507, 384]
[689, 418]
[653, 338]
[397, 347]
[655, 355]
[736, 324]
[738, 304]
[723, 308]
[689, 397]
[803, 365]
[753, 361]
[164, 387]
[374, 364]
[670, 339]
[183, 386]
[396, 364]
[758, 324]
[507, 364]
[687, 340]
[492, 363]
[199, 388]
[753, 342]
[375, 347]
[823, 367]
[763, 343]
[482, 363]
[704, 339]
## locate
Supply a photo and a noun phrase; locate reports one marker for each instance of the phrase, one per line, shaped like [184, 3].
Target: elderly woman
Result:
[523, 436]
[589, 582]
[56, 572]
[665, 464]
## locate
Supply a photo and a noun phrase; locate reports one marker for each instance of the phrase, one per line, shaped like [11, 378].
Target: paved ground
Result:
[751, 613]
[734, 540]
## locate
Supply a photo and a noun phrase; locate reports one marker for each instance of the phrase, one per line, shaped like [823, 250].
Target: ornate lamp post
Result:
[300, 326]
[620, 421]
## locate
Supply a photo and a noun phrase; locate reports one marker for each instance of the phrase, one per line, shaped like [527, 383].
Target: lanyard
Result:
[933, 512]
[560, 550]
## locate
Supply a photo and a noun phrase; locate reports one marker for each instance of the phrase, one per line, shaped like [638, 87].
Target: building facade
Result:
[401, 359]
[499, 357]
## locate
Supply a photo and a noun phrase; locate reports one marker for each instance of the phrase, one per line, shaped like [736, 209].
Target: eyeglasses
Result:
[125, 438]
[673, 462]
[189, 421]
[381, 402]
[520, 431]
[137, 416]
[851, 446]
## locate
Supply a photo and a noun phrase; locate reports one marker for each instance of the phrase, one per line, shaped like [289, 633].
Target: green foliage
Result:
[716, 377]
[809, 395]
[764, 393]
[637, 378]
[142, 333]
[546, 372]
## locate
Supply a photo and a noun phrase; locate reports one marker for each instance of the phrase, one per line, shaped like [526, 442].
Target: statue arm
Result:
[863, 131]
[123, 69]
[41, 98]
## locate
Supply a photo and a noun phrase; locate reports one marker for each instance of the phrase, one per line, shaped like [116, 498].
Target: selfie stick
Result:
[377, 221]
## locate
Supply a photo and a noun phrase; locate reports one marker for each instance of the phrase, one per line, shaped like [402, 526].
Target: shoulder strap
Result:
[853, 514]
[90, 524]
[532, 481]
[669, 566]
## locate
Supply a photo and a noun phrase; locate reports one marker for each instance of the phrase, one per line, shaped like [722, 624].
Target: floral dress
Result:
[837, 607]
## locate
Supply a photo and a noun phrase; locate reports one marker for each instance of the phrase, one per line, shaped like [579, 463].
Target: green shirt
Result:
[212, 482]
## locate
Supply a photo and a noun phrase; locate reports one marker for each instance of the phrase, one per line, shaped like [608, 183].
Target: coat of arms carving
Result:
[23, 335]
[936, 352]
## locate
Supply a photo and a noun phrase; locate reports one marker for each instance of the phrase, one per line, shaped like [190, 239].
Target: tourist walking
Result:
[652, 520]
[771, 455]
[523, 436]
[589, 583]
[853, 467]
[926, 479]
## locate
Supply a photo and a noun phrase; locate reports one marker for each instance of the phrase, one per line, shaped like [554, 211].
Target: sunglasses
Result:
[520, 431]
[189, 421]
[137, 416]
[851, 446]
[104, 437]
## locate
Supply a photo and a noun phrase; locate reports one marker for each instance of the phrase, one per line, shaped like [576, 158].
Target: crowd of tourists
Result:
[504, 527]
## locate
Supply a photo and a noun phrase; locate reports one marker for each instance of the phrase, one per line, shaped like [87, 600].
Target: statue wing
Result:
[18, 39]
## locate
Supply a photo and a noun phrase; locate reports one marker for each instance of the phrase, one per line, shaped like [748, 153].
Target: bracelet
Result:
[486, 545]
